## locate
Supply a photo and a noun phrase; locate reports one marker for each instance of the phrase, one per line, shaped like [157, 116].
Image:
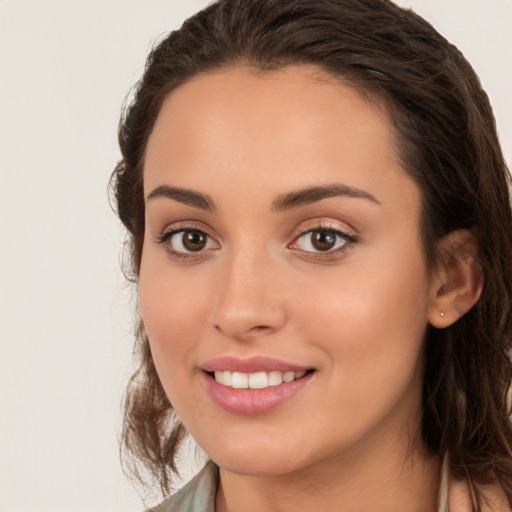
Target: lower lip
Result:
[254, 401]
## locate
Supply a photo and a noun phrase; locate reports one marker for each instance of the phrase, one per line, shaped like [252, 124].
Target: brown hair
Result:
[447, 142]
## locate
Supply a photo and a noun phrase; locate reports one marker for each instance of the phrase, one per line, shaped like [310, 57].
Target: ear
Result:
[458, 280]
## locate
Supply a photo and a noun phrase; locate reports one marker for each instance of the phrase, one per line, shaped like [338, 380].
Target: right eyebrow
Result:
[184, 196]
[311, 195]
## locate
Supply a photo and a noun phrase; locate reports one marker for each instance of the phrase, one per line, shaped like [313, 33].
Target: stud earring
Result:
[442, 314]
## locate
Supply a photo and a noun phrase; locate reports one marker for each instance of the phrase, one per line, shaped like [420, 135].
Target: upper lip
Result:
[251, 365]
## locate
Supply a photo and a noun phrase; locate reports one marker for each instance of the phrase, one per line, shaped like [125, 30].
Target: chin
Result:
[256, 457]
[263, 465]
[262, 457]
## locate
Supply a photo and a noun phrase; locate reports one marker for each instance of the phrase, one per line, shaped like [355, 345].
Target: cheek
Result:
[173, 318]
[173, 314]
[370, 320]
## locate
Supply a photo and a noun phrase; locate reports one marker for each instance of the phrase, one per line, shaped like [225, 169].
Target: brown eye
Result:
[187, 241]
[194, 241]
[323, 240]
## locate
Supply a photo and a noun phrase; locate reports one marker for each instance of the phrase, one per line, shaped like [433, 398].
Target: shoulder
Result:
[493, 498]
[198, 495]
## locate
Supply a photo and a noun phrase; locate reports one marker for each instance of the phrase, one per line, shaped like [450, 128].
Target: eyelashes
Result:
[188, 241]
[321, 241]
[184, 243]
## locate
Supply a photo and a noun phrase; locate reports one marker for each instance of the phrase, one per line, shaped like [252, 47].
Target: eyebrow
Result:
[313, 194]
[283, 202]
[185, 196]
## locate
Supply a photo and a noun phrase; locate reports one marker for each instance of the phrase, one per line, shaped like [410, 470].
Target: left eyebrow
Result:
[313, 194]
[184, 196]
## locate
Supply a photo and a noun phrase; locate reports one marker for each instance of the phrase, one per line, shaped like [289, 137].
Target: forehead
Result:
[277, 130]
[304, 97]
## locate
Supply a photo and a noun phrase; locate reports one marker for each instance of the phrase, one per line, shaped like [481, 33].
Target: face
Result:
[282, 283]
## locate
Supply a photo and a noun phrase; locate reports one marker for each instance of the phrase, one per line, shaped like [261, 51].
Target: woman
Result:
[321, 236]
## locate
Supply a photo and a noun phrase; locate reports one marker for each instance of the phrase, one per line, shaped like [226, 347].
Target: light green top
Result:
[199, 494]
[196, 496]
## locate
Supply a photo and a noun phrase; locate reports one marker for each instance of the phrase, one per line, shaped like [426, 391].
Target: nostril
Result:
[239, 332]
[258, 330]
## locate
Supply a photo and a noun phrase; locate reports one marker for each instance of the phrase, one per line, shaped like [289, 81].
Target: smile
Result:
[258, 380]
[254, 386]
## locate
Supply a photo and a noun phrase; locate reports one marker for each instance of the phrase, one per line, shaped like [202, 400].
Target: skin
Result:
[357, 315]
[493, 498]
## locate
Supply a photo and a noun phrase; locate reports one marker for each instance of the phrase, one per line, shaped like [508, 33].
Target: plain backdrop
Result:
[65, 311]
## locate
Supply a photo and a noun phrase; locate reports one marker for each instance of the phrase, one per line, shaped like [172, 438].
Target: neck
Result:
[389, 481]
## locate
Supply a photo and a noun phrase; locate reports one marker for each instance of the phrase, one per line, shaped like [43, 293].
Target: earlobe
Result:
[458, 282]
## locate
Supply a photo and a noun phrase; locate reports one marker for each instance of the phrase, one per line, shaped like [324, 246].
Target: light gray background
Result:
[65, 67]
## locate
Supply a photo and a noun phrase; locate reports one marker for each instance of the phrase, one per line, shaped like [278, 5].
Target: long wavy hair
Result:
[447, 142]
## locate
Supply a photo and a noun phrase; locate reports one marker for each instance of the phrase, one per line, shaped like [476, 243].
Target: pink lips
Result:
[252, 401]
[251, 365]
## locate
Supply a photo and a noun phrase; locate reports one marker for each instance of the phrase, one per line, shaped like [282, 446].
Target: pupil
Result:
[324, 240]
[194, 240]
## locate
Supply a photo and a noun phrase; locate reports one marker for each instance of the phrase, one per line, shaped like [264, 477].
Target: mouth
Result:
[256, 385]
[256, 380]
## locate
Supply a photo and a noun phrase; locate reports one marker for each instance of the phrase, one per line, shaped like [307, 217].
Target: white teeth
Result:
[258, 380]
[224, 378]
[239, 380]
[275, 378]
[288, 376]
[227, 378]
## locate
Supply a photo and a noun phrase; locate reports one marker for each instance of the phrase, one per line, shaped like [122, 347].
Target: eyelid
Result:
[187, 225]
[326, 224]
[323, 225]
[311, 226]
[181, 227]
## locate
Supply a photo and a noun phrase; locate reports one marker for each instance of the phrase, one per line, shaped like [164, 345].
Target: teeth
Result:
[258, 380]
[288, 376]
[227, 378]
[275, 378]
[239, 380]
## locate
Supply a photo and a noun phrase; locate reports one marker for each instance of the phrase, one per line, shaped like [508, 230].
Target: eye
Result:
[322, 240]
[186, 241]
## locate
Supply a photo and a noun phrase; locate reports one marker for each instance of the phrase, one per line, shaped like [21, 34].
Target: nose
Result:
[249, 300]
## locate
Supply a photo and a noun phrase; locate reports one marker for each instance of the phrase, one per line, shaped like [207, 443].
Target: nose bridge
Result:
[247, 300]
